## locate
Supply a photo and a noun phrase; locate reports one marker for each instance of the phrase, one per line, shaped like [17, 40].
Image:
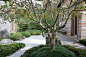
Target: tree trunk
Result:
[52, 44]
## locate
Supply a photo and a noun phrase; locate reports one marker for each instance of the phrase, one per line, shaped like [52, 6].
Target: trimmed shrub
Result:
[83, 41]
[6, 50]
[15, 36]
[26, 34]
[11, 33]
[29, 51]
[2, 38]
[59, 52]
[78, 52]
[35, 32]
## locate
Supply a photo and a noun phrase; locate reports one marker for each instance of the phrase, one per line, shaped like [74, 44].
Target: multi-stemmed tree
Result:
[48, 16]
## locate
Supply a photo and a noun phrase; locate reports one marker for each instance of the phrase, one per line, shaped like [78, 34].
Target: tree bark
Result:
[52, 44]
[52, 39]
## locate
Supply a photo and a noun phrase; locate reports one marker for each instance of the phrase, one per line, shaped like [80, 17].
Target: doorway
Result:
[74, 26]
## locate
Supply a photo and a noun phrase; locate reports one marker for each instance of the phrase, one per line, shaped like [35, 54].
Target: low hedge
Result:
[29, 51]
[2, 38]
[35, 32]
[6, 50]
[58, 52]
[83, 41]
[15, 36]
[78, 52]
[11, 33]
[26, 34]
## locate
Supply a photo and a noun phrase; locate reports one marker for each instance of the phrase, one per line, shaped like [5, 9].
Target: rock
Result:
[57, 40]
[21, 37]
[6, 41]
[4, 34]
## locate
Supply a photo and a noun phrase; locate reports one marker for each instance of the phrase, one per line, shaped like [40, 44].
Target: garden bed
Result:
[83, 41]
[6, 50]
[2, 38]
[18, 35]
[78, 52]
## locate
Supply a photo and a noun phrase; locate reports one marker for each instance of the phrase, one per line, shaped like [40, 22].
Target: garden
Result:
[60, 51]
[6, 50]
[47, 19]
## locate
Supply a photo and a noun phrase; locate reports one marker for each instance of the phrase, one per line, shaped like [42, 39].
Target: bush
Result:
[33, 26]
[35, 32]
[23, 27]
[15, 36]
[26, 34]
[78, 52]
[83, 41]
[6, 50]
[29, 51]
[59, 52]
[11, 33]
[2, 38]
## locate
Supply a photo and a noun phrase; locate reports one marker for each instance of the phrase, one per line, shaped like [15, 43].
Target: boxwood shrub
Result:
[58, 52]
[15, 36]
[11, 33]
[35, 32]
[83, 41]
[6, 50]
[26, 34]
[2, 38]
[78, 52]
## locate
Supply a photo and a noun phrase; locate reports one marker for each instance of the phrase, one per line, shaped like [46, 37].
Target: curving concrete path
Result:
[36, 40]
[30, 42]
[66, 40]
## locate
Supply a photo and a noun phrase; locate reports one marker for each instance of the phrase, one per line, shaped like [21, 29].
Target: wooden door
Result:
[72, 27]
[75, 25]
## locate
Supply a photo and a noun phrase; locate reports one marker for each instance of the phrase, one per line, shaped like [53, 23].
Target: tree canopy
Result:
[48, 16]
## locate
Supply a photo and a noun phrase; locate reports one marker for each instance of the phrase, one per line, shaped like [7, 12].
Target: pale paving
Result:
[36, 40]
[30, 42]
